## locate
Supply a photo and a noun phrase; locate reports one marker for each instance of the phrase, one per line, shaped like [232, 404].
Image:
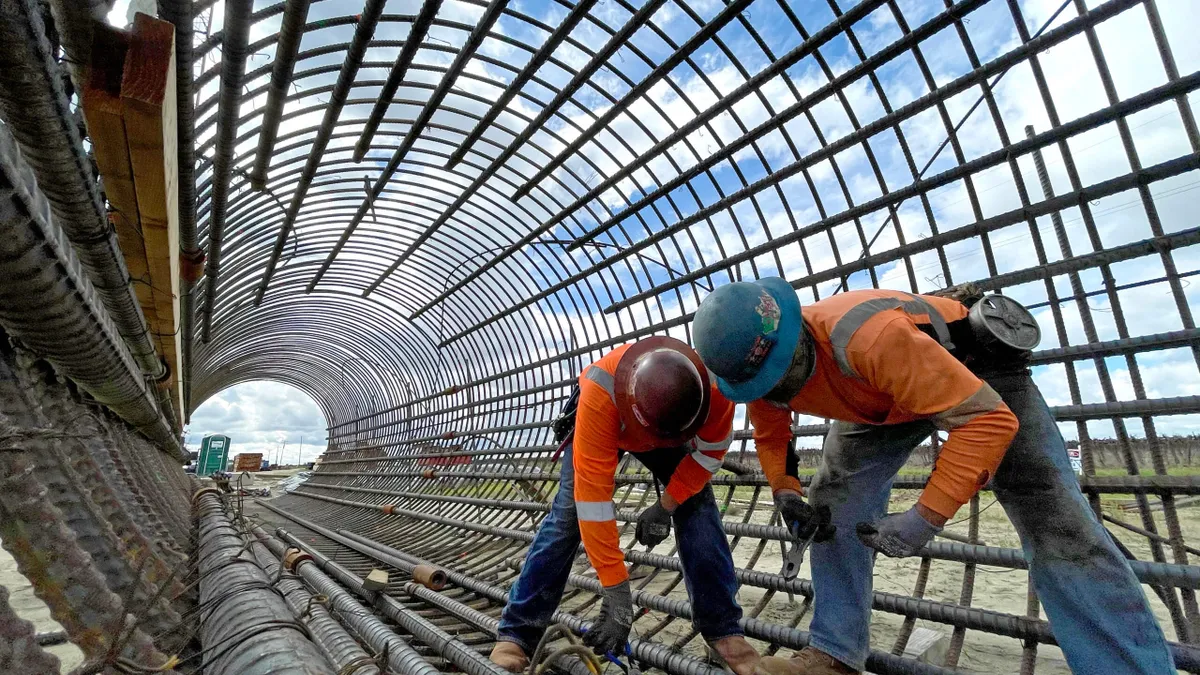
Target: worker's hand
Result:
[898, 535]
[611, 630]
[802, 519]
[653, 525]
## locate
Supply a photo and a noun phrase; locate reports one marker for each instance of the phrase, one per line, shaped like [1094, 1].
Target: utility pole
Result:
[299, 459]
[281, 449]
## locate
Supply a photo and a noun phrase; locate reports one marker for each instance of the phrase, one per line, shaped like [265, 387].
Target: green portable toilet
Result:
[214, 451]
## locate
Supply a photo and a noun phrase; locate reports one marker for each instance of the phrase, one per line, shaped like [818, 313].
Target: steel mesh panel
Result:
[463, 204]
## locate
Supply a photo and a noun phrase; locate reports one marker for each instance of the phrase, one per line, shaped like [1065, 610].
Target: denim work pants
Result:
[1094, 602]
[703, 550]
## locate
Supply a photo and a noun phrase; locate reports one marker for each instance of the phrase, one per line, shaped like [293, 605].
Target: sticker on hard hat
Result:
[768, 309]
[638, 414]
[762, 347]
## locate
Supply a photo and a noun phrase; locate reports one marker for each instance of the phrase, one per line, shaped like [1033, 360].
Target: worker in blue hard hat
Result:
[891, 369]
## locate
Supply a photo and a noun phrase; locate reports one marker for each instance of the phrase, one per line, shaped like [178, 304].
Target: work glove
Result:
[611, 630]
[653, 525]
[898, 535]
[803, 520]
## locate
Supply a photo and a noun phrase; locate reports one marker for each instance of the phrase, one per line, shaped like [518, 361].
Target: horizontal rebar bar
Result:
[339, 647]
[1186, 576]
[659, 655]
[331, 580]
[1018, 627]
[246, 627]
[1176, 485]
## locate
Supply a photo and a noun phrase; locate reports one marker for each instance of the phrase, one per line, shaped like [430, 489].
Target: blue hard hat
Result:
[746, 333]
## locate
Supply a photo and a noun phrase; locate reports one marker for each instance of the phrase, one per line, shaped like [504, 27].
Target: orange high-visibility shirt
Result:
[875, 366]
[598, 436]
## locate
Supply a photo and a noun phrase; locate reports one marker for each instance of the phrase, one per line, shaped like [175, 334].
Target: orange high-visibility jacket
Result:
[875, 366]
[598, 436]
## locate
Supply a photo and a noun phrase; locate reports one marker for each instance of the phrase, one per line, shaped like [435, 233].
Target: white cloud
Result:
[271, 418]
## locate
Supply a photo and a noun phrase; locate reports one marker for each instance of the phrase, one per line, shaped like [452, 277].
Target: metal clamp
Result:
[293, 557]
[204, 491]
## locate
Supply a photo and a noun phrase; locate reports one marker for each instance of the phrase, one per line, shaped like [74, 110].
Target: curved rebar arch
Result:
[430, 216]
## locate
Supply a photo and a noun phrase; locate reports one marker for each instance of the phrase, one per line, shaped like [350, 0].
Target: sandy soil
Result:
[995, 588]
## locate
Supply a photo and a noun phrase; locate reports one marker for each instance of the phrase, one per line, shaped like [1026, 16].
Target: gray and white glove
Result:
[898, 535]
[610, 632]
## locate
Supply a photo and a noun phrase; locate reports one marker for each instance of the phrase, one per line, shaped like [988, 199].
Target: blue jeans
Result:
[703, 551]
[1094, 602]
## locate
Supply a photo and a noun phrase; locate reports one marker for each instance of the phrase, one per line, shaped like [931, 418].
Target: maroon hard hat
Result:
[662, 390]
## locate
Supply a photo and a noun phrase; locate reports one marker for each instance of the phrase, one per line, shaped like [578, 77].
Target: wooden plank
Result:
[149, 112]
[106, 127]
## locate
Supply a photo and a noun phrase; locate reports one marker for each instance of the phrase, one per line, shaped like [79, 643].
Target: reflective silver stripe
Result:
[603, 378]
[710, 464]
[920, 306]
[982, 402]
[845, 328]
[595, 512]
[723, 444]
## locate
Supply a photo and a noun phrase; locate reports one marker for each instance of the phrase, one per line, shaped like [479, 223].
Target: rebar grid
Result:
[78, 548]
[432, 216]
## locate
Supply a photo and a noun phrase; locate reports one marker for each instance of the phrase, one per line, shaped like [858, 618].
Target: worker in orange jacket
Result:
[890, 369]
[655, 399]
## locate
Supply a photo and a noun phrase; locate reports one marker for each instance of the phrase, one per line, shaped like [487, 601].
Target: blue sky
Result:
[1071, 74]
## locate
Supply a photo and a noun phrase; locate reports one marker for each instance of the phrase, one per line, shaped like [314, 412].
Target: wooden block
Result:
[102, 111]
[927, 646]
[149, 111]
[377, 580]
[148, 100]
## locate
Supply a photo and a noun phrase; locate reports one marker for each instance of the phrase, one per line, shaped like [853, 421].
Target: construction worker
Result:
[654, 399]
[890, 369]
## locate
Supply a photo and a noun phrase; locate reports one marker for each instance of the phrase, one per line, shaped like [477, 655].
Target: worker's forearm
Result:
[688, 479]
[773, 459]
[932, 516]
[668, 502]
[968, 460]
[603, 547]
[772, 436]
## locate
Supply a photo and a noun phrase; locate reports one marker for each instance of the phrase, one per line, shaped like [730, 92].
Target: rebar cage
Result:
[431, 216]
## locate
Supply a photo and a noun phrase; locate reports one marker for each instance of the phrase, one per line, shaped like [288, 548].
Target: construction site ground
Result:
[996, 588]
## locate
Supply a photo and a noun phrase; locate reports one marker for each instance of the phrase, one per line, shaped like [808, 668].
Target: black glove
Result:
[802, 519]
[611, 630]
[653, 525]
